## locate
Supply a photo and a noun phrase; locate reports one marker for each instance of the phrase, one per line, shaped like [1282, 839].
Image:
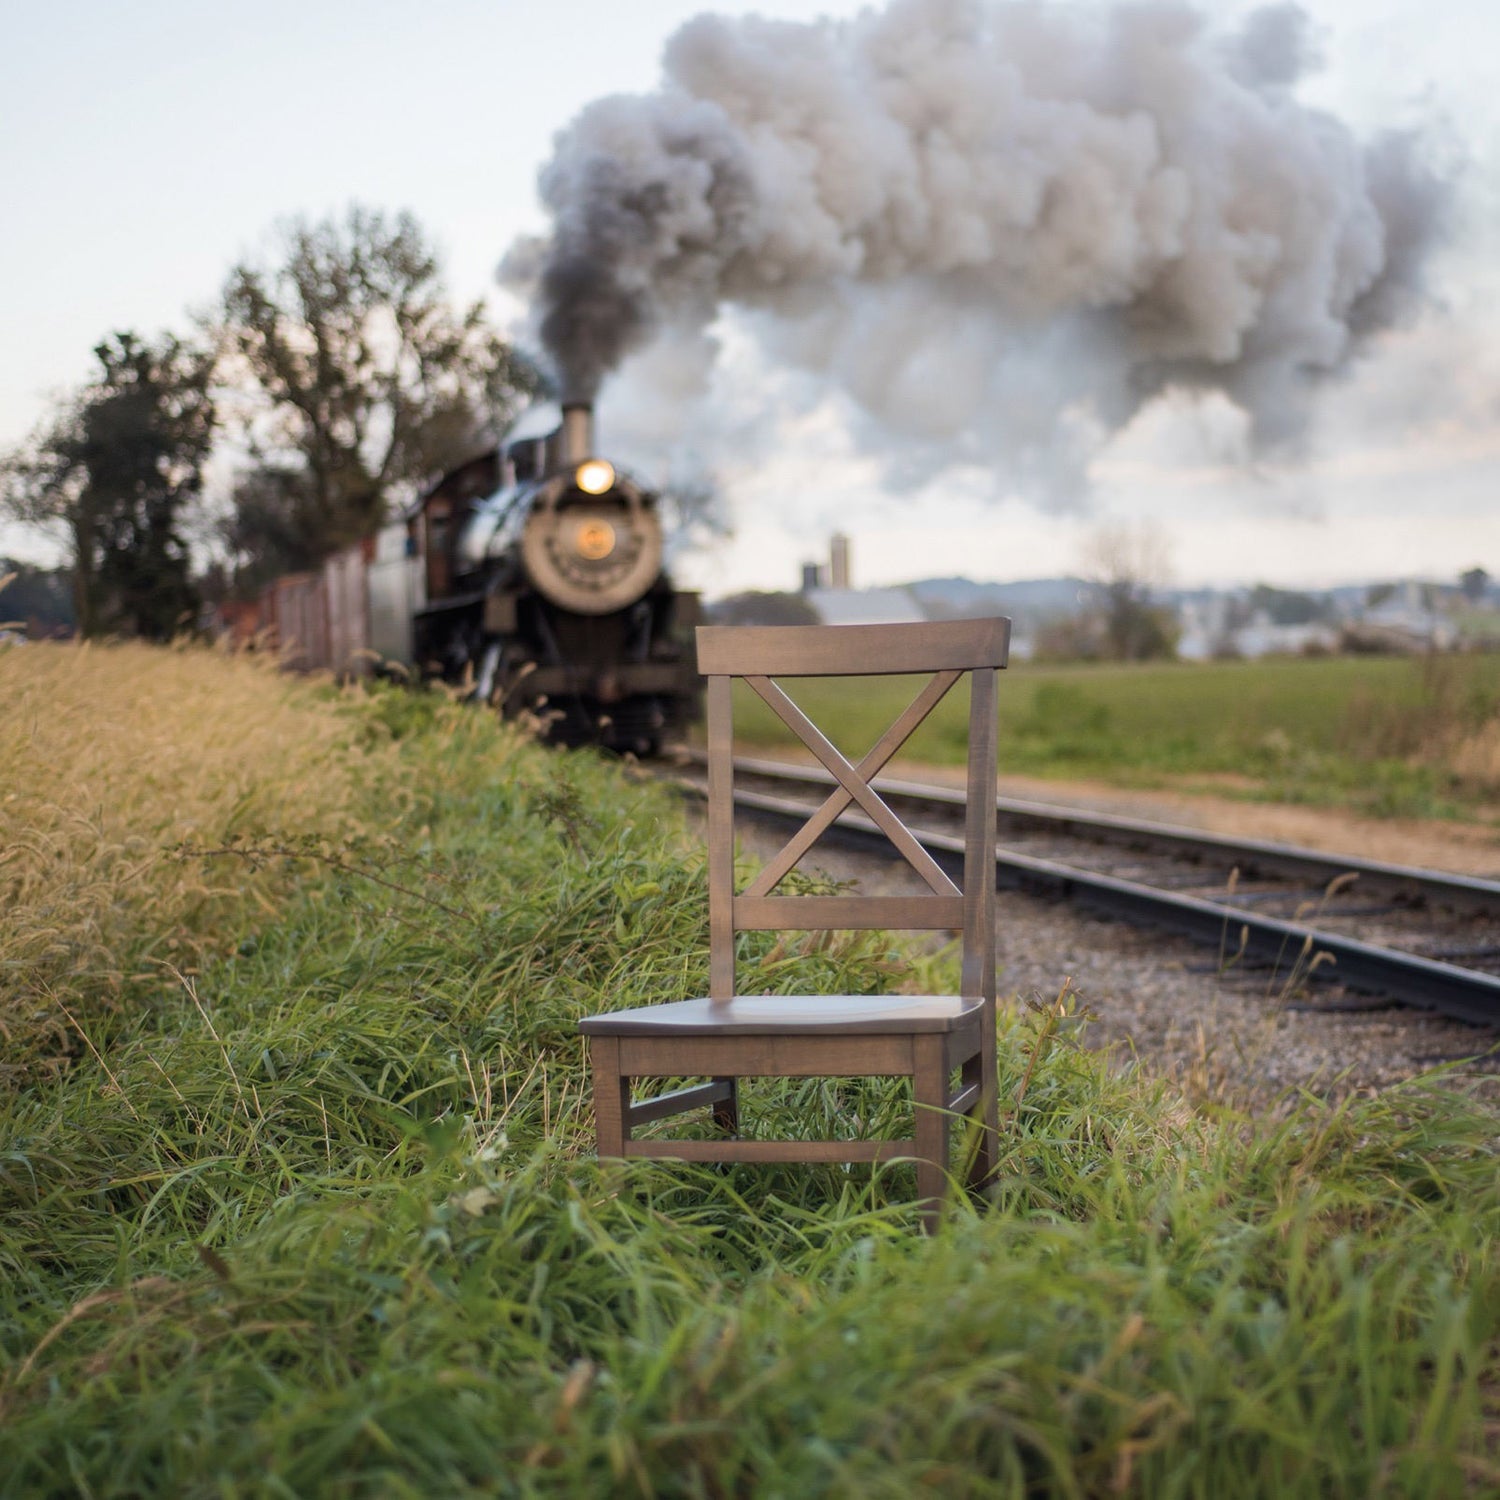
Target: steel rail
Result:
[1413, 980]
[1251, 856]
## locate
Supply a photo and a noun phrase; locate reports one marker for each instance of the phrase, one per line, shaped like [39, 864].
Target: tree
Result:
[1475, 584]
[761, 607]
[275, 525]
[1287, 606]
[364, 382]
[1125, 563]
[113, 478]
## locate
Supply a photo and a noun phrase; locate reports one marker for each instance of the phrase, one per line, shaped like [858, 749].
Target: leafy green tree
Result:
[1475, 584]
[363, 380]
[114, 476]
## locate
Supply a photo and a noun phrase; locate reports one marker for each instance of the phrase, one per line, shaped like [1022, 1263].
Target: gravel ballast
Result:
[1218, 1028]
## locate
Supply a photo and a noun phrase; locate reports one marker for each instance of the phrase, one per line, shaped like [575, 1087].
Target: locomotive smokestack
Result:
[577, 431]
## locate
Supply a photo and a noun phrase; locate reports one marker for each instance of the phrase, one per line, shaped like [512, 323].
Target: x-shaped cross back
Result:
[854, 784]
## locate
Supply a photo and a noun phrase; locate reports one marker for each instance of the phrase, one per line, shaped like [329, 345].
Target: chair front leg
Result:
[611, 1097]
[929, 1089]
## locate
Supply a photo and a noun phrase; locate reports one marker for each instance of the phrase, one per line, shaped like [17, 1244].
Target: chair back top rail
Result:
[852, 650]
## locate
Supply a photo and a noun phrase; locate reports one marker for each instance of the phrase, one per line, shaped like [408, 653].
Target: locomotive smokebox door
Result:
[594, 539]
[593, 556]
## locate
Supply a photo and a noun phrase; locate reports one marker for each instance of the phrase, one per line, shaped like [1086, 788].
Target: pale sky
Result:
[147, 147]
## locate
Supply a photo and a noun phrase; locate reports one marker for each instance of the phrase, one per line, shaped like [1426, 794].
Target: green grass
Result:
[323, 1217]
[1386, 736]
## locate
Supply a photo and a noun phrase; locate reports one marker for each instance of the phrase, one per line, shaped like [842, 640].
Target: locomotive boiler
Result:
[544, 589]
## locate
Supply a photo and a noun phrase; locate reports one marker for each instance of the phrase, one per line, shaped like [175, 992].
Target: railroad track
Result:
[1392, 932]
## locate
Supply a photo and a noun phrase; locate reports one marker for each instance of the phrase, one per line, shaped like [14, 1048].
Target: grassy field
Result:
[1384, 735]
[297, 1194]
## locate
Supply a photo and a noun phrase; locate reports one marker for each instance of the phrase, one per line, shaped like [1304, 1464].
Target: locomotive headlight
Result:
[594, 539]
[595, 476]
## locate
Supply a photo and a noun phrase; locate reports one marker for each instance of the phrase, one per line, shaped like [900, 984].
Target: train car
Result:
[534, 574]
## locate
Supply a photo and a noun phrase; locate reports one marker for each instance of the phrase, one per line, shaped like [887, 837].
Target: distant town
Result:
[1118, 616]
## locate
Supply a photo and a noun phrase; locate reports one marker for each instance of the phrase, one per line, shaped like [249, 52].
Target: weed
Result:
[350, 856]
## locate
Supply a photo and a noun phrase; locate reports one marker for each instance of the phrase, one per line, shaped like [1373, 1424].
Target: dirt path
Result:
[1435, 843]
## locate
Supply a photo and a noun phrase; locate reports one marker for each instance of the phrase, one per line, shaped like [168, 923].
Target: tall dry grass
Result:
[111, 755]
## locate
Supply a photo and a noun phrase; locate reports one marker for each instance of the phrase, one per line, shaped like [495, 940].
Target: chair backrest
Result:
[758, 654]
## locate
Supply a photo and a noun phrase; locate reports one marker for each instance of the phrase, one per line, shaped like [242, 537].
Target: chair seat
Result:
[803, 1015]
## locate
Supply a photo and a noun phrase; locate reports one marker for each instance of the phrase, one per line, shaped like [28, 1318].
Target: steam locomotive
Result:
[533, 575]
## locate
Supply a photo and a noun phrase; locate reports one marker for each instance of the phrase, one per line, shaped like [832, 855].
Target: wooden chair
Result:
[728, 1036]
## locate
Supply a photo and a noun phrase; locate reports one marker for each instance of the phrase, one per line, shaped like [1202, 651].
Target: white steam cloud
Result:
[994, 226]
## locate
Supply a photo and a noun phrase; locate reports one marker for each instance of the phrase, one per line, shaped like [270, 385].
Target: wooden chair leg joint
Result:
[726, 1114]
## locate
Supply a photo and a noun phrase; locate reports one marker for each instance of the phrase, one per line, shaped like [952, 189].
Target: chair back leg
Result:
[929, 1090]
[726, 1115]
[981, 1072]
